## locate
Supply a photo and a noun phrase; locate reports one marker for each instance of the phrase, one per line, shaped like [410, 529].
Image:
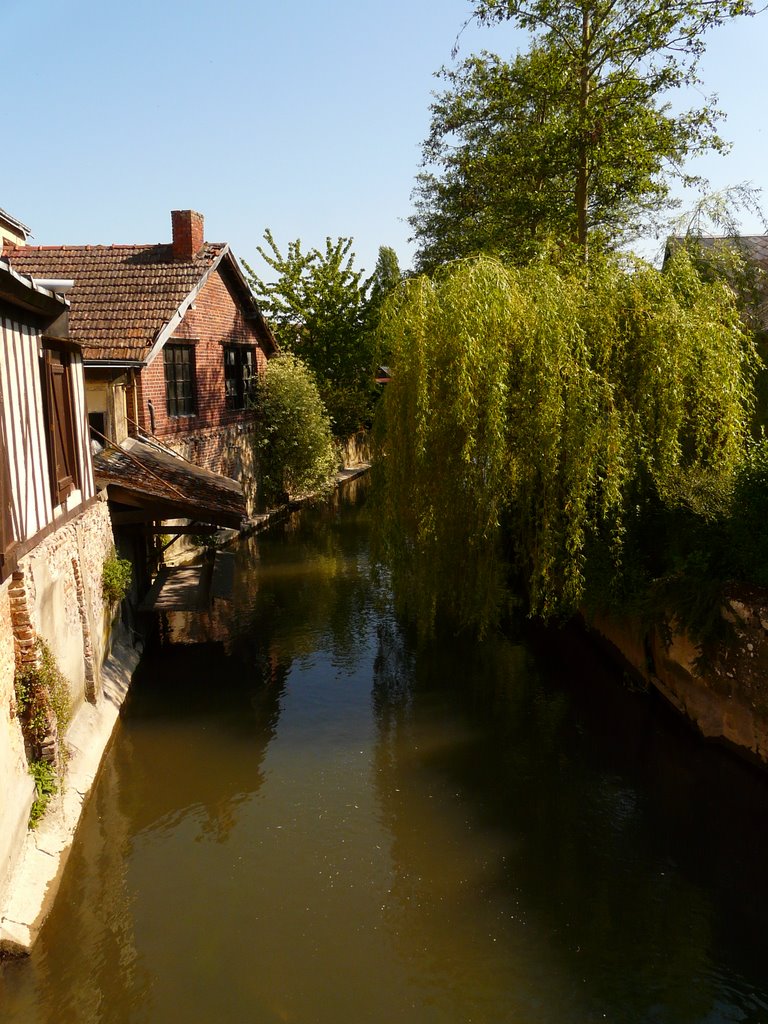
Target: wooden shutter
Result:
[61, 435]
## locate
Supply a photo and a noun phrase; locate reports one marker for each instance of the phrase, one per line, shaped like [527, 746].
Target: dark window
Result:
[180, 379]
[97, 421]
[61, 434]
[240, 374]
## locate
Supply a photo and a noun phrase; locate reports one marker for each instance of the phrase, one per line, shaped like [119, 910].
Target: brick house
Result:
[172, 339]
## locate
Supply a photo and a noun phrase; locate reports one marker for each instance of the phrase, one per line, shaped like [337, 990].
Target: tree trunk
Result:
[582, 184]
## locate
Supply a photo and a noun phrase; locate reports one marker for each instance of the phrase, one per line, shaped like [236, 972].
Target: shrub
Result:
[294, 442]
[116, 576]
[46, 785]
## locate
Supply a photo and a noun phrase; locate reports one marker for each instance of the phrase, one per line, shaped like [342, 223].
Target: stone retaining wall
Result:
[56, 594]
[723, 688]
[356, 450]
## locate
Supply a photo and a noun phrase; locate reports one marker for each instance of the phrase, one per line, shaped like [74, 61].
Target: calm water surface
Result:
[303, 819]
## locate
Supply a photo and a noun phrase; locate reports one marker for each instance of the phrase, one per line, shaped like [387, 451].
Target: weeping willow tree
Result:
[529, 412]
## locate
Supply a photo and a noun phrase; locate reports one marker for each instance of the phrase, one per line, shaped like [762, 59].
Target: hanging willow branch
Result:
[540, 399]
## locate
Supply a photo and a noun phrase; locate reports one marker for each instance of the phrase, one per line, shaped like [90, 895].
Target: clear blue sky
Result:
[305, 117]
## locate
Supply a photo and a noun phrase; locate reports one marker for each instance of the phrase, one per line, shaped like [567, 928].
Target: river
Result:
[305, 818]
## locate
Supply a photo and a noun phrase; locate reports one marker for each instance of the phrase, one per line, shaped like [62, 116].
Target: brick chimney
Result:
[188, 234]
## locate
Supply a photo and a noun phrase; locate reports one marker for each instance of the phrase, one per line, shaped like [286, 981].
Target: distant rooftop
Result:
[754, 247]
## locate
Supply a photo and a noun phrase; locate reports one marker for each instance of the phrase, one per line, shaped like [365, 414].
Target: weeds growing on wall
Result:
[540, 419]
[46, 786]
[42, 700]
[39, 689]
[116, 574]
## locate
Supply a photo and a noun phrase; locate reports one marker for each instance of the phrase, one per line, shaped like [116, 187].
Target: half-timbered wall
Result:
[55, 535]
[25, 429]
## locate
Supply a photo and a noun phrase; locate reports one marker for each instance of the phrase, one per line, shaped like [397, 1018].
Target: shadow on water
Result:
[604, 835]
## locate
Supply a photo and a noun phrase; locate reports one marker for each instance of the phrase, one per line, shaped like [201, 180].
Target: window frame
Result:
[241, 371]
[180, 388]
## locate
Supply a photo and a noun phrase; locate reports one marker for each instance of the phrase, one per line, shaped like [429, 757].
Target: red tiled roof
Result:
[123, 295]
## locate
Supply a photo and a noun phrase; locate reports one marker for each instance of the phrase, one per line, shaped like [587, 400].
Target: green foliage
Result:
[728, 259]
[720, 212]
[319, 309]
[39, 692]
[46, 785]
[42, 696]
[746, 535]
[116, 574]
[573, 141]
[202, 540]
[535, 413]
[386, 277]
[295, 445]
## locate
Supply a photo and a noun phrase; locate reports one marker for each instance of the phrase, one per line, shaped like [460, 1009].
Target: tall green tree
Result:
[575, 139]
[385, 278]
[533, 410]
[318, 306]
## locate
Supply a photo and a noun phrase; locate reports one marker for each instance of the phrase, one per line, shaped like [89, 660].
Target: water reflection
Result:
[304, 817]
[579, 809]
[98, 955]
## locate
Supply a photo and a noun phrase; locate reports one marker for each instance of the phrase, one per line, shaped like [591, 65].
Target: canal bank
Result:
[35, 881]
[40, 864]
[720, 685]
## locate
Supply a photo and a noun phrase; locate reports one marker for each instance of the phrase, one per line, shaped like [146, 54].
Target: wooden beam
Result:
[125, 518]
[180, 531]
[157, 508]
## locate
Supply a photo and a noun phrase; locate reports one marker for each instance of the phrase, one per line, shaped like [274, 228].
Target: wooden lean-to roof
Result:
[165, 486]
[128, 299]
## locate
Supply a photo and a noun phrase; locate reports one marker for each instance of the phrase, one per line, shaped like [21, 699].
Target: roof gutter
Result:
[54, 284]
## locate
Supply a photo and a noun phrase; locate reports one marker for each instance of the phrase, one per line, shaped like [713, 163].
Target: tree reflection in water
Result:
[588, 837]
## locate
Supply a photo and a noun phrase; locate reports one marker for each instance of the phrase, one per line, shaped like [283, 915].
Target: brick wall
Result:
[216, 320]
[15, 782]
[7, 656]
[227, 450]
